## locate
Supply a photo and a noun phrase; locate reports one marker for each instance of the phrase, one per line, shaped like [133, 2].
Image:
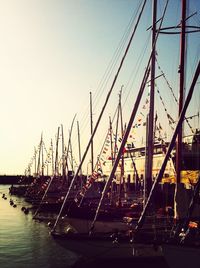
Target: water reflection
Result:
[25, 242]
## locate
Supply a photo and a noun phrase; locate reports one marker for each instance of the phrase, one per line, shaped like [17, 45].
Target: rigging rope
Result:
[101, 113]
[168, 84]
[170, 119]
[110, 69]
[138, 99]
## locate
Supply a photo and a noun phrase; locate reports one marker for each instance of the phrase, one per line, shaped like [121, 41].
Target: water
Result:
[25, 242]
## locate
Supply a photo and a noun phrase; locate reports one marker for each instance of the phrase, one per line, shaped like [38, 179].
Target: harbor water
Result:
[25, 242]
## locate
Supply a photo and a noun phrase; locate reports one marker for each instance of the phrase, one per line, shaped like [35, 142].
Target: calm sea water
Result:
[25, 242]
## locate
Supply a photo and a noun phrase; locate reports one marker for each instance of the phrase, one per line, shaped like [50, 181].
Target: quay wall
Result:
[15, 179]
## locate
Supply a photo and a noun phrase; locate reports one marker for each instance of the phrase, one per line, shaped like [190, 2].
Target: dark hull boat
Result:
[183, 244]
[107, 246]
[110, 237]
[181, 256]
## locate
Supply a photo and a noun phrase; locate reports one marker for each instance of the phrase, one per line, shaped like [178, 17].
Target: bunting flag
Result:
[86, 186]
[156, 117]
[170, 118]
[142, 114]
[124, 150]
[116, 138]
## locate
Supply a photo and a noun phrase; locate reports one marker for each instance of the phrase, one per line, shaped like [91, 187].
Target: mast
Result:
[170, 148]
[91, 127]
[35, 162]
[63, 155]
[122, 156]
[52, 158]
[110, 133]
[56, 157]
[79, 151]
[124, 139]
[150, 129]
[119, 117]
[111, 141]
[38, 164]
[71, 154]
[116, 134]
[68, 146]
[181, 92]
[101, 114]
[42, 151]
[128, 128]
[179, 206]
[145, 195]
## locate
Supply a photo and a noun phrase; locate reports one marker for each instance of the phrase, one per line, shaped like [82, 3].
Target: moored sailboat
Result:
[94, 235]
[98, 233]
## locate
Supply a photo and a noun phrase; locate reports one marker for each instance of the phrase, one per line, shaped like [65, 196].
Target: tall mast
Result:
[110, 133]
[79, 144]
[91, 127]
[52, 158]
[71, 154]
[128, 128]
[35, 158]
[56, 157]
[79, 150]
[150, 130]
[42, 152]
[68, 147]
[181, 91]
[122, 157]
[111, 141]
[38, 164]
[100, 115]
[170, 148]
[116, 133]
[63, 155]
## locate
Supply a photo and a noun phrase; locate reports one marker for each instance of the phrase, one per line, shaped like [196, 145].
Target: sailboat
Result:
[103, 238]
[115, 243]
[182, 247]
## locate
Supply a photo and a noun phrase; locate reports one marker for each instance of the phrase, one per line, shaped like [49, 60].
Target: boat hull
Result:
[83, 226]
[105, 247]
[178, 256]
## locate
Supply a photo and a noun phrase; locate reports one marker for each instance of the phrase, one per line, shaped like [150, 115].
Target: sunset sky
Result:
[54, 52]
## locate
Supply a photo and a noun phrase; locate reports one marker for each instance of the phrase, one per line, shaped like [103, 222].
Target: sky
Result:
[53, 53]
